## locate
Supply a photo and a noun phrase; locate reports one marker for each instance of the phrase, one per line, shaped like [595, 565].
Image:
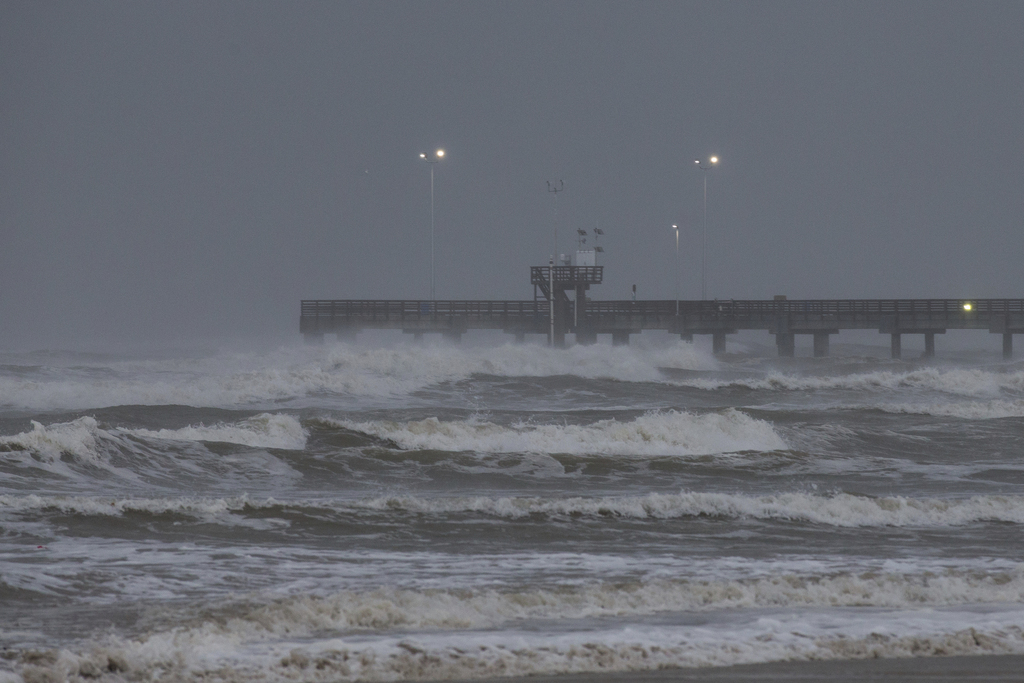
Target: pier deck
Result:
[782, 318]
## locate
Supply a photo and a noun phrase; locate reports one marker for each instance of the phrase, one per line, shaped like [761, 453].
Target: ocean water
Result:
[345, 512]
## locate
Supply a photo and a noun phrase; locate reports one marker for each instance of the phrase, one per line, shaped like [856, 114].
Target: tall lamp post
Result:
[676, 228]
[705, 166]
[438, 155]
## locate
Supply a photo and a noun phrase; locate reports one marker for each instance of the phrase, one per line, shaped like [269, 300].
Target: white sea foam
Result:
[388, 609]
[296, 373]
[958, 381]
[96, 505]
[655, 433]
[48, 442]
[229, 651]
[82, 441]
[841, 509]
[260, 431]
[968, 410]
[85, 440]
[71, 449]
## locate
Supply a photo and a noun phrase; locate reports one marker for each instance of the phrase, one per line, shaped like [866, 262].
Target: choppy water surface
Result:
[346, 512]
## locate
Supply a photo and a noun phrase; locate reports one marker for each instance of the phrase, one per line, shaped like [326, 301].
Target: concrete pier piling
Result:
[821, 344]
[718, 343]
[786, 344]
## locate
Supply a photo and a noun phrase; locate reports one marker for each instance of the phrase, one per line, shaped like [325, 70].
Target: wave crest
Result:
[958, 381]
[839, 510]
[652, 434]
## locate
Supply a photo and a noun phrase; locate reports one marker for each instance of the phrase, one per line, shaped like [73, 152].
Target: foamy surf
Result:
[841, 510]
[294, 374]
[958, 381]
[265, 430]
[965, 410]
[211, 651]
[386, 609]
[83, 438]
[83, 451]
[653, 434]
[838, 510]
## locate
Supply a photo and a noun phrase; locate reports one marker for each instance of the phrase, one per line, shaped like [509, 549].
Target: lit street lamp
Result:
[676, 228]
[439, 154]
[705, 166]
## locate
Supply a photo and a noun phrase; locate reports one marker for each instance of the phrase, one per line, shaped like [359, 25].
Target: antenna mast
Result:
[555, 189]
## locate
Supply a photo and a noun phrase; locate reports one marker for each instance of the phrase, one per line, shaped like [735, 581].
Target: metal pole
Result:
[677, 268]
[704, 247]
[432, 297]
[437, 156]
[551, 298]
[711, 161]
[556, 189]
[556, 225]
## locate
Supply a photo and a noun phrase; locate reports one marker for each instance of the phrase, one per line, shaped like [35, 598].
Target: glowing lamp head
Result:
[423, 156]
[440, 153]
[696, 161]
[967, 306]
[714, 160]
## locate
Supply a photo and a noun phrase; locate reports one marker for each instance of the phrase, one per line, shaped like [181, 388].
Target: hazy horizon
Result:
[190, 171]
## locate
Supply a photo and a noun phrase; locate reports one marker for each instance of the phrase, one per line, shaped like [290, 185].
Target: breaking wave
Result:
[842, 510]
[958, 381]
[296, 373]
[71, 449]
[85, 439]
[839, 510]
[968, 410]
[652, 434]
[388, 609]
[272, 642]
[260, 431]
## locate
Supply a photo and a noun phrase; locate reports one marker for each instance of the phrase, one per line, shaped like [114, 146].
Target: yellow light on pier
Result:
[967, 306]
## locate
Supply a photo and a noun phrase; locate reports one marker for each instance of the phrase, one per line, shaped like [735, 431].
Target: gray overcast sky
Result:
[193, 169]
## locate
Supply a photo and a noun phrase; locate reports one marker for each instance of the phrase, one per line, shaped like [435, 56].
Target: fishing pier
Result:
[553, 313]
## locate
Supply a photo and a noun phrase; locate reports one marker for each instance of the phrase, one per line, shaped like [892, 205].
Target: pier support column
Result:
[786, 343]
[1007, 345]
[896, 346]
[718, 343]
[454, 336]
[687, 337]
[820, 344]
[586, 338]
[620, 338]
[520, 337]
[347, 334]
[929, 345]
[313, 338]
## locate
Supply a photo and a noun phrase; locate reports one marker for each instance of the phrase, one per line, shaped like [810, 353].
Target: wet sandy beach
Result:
[980, 668]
